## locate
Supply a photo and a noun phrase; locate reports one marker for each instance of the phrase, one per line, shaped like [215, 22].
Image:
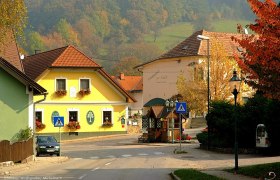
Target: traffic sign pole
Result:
[180, 122]
[59, 142]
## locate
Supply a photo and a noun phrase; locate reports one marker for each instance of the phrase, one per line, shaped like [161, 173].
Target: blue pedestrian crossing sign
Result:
[58, 121]
[181, 107]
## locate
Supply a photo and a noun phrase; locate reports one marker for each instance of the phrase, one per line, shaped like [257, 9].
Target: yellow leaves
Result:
[13, 15]
[124, 22]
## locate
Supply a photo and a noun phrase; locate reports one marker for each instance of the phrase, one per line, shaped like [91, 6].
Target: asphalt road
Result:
[121, 158]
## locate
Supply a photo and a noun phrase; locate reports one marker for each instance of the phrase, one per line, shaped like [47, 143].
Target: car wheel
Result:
[37, 154]
[58, 154]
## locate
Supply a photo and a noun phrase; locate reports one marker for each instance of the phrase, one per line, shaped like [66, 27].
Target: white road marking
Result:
[126, 155]
[107, 163]
[75, 159]
[142, 154]
[94, 157]
[158, 153]
[95, 169]
[84, 175]
[110, 156]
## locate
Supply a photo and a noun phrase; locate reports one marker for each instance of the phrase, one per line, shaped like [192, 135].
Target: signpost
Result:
[58, 121]
[181, 107]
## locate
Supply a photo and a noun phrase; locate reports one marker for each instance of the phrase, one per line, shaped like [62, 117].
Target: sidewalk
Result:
[227, 175]
[9, 168]
[220, 174]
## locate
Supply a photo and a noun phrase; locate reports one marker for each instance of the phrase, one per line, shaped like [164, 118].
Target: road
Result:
[121, 158]
[116, 158]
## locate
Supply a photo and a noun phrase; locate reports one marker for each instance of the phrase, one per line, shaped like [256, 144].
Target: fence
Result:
[15, 152]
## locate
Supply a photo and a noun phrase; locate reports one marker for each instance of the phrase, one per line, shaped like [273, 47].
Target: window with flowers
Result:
[73, 120]
[39, 123]
[61, 87]
[84, 87]
[107, 118]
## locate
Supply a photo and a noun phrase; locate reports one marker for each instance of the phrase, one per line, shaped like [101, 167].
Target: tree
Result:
[13, 14]
[67, 32]
[195, 91]
[34, 42]
[126, 65]
[260, 59]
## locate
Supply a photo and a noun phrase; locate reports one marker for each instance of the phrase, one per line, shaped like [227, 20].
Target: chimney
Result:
[37, 51]
[121, 76]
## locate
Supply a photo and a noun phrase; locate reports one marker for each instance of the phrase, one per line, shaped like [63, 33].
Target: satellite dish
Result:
[246, 31]
[22, 56]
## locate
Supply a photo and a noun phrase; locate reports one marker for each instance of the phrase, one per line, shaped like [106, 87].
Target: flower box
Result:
[83, 92]
[40, 125]
[61, 92]
[73, 125]
[107, 124]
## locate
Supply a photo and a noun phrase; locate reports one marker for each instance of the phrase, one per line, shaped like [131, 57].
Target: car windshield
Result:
[46, 139]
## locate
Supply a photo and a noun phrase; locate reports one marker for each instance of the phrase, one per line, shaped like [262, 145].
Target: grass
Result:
[193, 174]
[228, 25]
[170, 36]
[260, 170]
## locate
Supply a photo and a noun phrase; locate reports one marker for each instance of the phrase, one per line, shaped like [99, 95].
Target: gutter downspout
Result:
[34, 123]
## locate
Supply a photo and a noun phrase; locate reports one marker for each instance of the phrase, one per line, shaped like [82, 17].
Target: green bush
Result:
[258, 110]
[24, 134]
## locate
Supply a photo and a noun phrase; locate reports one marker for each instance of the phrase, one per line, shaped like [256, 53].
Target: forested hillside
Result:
[114, 30]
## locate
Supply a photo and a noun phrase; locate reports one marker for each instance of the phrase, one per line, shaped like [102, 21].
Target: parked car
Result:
[47, 145]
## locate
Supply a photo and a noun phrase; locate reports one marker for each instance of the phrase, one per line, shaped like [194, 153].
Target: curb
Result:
[174, 176]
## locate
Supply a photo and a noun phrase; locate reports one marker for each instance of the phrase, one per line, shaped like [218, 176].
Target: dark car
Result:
[47, 145]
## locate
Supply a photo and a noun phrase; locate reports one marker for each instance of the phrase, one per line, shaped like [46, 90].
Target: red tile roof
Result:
[130, 83]
[9, 51]
[194, 47]
[65, 57]
[68, 56]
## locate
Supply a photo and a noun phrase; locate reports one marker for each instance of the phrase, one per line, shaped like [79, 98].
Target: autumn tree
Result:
[125, 65]
[13, 14]
[260, 59]
[195, 90]
[67, 32]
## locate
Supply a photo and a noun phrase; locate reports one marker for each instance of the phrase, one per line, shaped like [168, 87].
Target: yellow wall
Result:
[102, 96]
[100, 90]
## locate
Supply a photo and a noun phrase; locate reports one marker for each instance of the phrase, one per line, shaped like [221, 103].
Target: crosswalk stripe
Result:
[110, 156]
[94, 157]
[142, 154]
[126, 155]
[158, 153]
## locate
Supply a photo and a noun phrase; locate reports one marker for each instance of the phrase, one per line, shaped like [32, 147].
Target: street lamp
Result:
[201, 38]
[171, 104]
[235, 82]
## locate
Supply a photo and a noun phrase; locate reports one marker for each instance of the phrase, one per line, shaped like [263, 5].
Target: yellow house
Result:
[80, 91]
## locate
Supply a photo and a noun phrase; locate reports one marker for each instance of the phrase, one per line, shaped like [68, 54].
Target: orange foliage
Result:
[261, 56]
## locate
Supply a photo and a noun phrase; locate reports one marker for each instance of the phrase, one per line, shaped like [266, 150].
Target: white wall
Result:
[160, 77]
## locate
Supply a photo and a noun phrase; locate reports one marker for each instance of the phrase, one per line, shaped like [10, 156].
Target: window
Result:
[38, 115]
[107, 116]
[73, 116]
[84, 84]
[60, 84]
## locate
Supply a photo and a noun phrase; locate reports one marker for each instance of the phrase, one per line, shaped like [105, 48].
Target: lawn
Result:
[228, 25]
[172, 35]
[185, 174]
[260, 170]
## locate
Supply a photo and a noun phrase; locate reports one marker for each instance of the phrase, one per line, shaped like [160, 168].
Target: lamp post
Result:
[171, 104]
[201, 38]
[235, 86]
